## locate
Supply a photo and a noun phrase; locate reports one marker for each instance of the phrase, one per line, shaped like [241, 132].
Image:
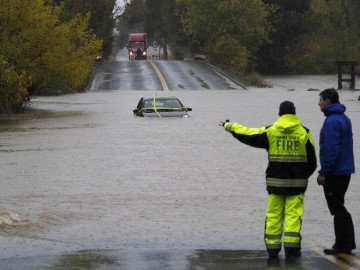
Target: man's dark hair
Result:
[330, 94]
[287, 107]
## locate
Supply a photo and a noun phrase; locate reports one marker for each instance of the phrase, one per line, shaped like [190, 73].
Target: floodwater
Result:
[80, 173]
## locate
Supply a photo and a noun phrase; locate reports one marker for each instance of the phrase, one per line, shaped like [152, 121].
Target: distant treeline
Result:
[50, 45]
[264, 36]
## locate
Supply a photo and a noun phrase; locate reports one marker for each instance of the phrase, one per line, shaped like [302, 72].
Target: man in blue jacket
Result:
[337, 165]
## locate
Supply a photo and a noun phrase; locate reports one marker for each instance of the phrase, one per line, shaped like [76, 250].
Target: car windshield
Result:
[163, 103]
[136, 45]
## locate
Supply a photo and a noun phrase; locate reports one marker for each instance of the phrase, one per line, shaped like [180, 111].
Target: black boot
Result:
[336, 250]
[273, 253]
[292, 252]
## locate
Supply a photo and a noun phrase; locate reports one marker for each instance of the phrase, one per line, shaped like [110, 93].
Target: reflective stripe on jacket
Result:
[291, 152]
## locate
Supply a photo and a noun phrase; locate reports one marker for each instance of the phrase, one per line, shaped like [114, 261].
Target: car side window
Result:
[175, 104]
[160, 104]
[148, 104]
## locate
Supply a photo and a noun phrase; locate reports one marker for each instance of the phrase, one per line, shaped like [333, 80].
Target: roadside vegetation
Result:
[252, 37]
[50, 46]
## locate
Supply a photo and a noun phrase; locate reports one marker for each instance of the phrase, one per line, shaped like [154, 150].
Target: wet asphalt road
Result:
[154, 75]
[176, 259]
[86, 185]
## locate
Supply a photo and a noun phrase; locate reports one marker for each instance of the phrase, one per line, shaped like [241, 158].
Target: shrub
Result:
[13, 87]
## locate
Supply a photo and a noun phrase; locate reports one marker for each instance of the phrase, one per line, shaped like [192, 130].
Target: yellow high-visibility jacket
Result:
[291, 152]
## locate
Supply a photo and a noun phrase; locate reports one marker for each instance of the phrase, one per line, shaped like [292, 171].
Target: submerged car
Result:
[161, 107]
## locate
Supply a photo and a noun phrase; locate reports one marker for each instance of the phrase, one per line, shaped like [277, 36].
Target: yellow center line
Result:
[161, 78]
[333, 259]
[350, 258]
[346, 256]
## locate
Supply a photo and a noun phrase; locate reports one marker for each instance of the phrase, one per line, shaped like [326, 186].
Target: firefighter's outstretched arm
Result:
[255, 137]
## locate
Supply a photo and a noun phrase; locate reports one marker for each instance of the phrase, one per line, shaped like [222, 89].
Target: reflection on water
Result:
[32, 114]
[14, 122]
[164, 260]
[228, 259]
[85, 260]
[241, 260]
[203, 259]
[17, 129]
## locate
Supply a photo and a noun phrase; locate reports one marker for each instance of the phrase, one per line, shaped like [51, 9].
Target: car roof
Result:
[160, 98]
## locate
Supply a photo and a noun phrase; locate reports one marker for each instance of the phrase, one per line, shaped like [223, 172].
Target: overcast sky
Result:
[120, 2]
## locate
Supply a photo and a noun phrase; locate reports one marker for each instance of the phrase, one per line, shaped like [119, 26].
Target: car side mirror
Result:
[189, 109]
[135, 111]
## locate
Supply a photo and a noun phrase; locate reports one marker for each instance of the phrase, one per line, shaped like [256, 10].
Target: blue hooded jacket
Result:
[336, 142]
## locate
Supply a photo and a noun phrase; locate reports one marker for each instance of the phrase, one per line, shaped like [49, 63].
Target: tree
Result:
[51, 52]
[333, 35]
[163, 24]
[229, 30]
[179, 43]
[155, 24]
[71, 62]
[268, 36]
[134, 14]
[102, 21]
[102, 18]
[285, 49]
[13, 87]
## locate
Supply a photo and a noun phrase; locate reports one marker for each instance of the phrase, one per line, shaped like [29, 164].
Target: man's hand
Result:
[321, 180]
[222, 123]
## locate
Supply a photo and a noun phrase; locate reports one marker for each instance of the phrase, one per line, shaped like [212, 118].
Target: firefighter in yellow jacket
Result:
[292, 160]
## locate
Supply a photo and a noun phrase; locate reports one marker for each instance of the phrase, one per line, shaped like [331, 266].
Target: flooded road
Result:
[84, 178]
[160, 75]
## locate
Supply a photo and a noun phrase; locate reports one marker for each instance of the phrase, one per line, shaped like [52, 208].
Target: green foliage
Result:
[267, 36]
[229, 30]
[101, 20]
[254, 79]
[73, 61]
[13, 87]
[288, 21]
[178, 42]
[50, 51]
[335, 37]
[158, 23]
[134, 13]
[227, 50]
